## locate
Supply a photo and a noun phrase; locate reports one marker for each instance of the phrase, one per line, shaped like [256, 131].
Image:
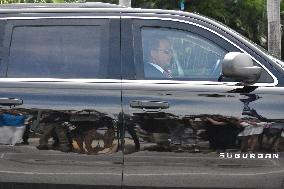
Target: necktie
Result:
[167, 73]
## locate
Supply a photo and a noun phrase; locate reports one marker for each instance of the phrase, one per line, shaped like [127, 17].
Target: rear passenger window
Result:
[57, 52]
[2, 29]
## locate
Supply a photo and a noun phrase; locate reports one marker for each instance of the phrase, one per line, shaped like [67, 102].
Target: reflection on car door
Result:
[60, 102]
[178, 130]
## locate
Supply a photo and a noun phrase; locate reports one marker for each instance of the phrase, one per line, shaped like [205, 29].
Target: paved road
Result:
[202, 170]
[26, 164]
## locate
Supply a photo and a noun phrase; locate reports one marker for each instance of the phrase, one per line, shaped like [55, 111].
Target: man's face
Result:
[162, 55]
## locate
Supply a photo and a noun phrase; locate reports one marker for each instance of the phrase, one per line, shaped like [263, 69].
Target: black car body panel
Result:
[75, 76]
[89, 105]
[164, 145]
[171, 155]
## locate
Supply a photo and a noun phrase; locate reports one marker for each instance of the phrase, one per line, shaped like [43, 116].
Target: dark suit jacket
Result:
[151, 71]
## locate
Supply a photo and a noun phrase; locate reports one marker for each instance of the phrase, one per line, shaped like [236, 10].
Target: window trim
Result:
[103, 22]
[183, 32]
[275, 80]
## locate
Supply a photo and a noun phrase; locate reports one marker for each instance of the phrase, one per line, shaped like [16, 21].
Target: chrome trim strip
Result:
[114, 80]
[55, 17]
[124, 82]
[198, 25]
[61, 10]
[60, 80]
[176, 82]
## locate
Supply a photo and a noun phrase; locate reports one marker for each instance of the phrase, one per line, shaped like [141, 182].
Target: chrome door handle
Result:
[10, 101]
[149, 104]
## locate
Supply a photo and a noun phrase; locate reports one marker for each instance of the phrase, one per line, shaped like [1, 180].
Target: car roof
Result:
[98, 7]
[89, 7]
[82, 7]
[22, 6]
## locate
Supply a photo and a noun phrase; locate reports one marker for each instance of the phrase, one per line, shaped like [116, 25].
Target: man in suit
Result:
[159, 55]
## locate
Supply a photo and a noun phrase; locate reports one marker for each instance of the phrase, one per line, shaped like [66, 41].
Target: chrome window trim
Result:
[55, 17]
[275, 80]
[50, 83]
[60, 80]
[191, 83]
[125, 82]
[151, 81]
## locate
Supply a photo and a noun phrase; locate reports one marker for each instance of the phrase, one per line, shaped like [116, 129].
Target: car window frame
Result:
[183, 33]
[192, 26]
[107, 24]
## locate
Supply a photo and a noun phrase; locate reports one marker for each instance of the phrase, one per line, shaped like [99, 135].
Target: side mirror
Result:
[239, 66]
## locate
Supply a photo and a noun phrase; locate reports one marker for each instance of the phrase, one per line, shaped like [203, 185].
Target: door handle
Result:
[149, 104]
[10, 101]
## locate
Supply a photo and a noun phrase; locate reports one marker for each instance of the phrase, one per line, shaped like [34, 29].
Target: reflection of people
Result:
[159, 55]
[29, 120]
[54, 126]
[252, 129]
[222, 132]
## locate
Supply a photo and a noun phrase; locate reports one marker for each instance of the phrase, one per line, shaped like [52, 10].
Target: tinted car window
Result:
[56, 52]
[2, 29]
[192, 56]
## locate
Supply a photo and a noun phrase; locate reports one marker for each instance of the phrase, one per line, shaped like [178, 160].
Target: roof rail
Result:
[59, 5]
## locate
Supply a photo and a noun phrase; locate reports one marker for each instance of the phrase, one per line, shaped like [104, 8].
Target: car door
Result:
[61, 81]
[184, 130]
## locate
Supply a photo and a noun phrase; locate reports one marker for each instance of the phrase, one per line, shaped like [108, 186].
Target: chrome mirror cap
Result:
[240, 67]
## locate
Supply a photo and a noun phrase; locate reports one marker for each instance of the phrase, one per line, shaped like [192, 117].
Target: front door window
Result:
[179, 54]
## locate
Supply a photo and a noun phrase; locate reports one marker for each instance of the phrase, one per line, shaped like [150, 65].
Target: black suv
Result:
[96, 95]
